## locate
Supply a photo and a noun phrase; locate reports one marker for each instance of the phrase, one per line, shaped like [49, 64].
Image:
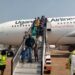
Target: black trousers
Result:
[2, 68]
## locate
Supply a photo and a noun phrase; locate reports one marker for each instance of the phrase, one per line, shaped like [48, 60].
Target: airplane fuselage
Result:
[12, 33]
[62, 31]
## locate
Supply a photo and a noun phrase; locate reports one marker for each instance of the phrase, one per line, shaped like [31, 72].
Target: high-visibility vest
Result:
[3, 59]
[73, 52]
[69, 59]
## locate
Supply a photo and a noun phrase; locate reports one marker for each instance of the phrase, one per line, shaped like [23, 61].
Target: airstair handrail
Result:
[43, 59]
[17, 55]
[16, 59]
[43, 50]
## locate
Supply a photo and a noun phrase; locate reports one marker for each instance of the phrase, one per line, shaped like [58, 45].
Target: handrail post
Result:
[12, 67]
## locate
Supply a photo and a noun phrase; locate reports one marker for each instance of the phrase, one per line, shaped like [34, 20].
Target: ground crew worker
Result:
[72, 62]
[3, 57]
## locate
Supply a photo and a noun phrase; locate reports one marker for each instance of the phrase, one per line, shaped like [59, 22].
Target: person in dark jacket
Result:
[29, 44]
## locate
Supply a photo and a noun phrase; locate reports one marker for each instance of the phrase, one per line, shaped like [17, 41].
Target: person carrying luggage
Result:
[22, 55]
[29, 44]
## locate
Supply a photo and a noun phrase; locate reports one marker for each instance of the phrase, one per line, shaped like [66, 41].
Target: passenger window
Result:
[28, 25]
[74, 22]
[20, 25]
[67, 22]
[61, 23]
[12, 25]
[57, 23]
[71, 22]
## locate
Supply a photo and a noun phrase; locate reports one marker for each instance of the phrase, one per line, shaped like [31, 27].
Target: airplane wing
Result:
[71, 34]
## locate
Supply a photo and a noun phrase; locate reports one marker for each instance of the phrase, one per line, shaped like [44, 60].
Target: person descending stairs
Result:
[38, 26]
[29, 68]
[34, 67]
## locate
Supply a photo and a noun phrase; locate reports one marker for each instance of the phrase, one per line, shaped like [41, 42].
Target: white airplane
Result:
[60, 30]
[12, 32]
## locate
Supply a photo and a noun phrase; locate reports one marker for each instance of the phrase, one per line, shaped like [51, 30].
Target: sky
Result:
[28, 9]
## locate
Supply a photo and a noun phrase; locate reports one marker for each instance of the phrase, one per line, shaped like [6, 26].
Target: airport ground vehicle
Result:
[47, 65]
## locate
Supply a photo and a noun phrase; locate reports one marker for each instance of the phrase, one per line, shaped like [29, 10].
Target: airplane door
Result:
[48, 26]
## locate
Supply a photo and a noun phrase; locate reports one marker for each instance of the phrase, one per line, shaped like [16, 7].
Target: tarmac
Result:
[59, 59]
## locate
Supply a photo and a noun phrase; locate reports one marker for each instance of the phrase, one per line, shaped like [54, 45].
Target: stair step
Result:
[25, 74]
[28, 66]
[33, 68]
[27, 71]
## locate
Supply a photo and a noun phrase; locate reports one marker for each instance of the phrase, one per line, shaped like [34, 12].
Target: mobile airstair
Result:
[34, 68]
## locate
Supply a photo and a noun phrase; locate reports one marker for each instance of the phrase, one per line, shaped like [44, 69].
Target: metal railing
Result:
[16, 58]
[43, 51]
